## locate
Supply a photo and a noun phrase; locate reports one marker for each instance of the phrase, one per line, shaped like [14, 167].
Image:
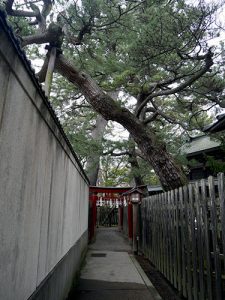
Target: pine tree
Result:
[155, 51]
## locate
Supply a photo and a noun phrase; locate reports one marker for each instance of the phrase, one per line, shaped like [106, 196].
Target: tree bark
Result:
[169, 173]
[93, 162]
[135, 168]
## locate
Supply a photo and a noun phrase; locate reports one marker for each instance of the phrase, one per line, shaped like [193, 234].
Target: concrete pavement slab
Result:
[111, 272]
[113, 267]
[111, 239]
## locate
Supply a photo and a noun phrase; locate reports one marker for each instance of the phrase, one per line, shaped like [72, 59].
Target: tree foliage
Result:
[156, 53]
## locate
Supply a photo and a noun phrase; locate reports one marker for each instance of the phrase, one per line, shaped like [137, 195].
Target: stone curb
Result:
[146, 280]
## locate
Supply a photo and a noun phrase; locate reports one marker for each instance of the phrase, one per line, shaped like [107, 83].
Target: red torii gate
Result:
[109, 194]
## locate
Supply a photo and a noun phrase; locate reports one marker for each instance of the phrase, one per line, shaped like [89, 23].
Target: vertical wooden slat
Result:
[183, 243]
[150, 229]
[147, 228]
[142, 233]
[142, 225]
[206, 240]
[160, 232]
[221, 188]
[216, 251]
[175, 240]
[163, 207]
[163, 235]
[153, 229]
[193, 244]
[167, 238]
[199, 241]
[156, 231]
[188, 243]
[179, 283]
[167, 235]
[171, 235]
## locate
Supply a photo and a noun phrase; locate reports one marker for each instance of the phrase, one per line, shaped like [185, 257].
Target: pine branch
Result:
[53, 36]
[182, 86]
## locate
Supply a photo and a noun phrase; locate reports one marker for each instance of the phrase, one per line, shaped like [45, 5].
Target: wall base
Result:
[57, 285]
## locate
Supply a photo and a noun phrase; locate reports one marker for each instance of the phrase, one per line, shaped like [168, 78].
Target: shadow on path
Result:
[111, 272]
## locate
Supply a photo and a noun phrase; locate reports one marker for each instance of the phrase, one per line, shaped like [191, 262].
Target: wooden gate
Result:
[107, 216]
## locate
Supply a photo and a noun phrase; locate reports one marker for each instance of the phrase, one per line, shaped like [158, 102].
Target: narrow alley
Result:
[111, 271]
[70, 174]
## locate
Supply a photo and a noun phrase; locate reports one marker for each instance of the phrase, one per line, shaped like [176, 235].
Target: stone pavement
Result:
[111, 272]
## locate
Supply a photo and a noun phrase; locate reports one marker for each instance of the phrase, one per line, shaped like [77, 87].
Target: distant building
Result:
[198, 148]
[154, 189]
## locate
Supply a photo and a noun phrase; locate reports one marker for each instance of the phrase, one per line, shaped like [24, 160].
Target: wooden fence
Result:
[183, 235]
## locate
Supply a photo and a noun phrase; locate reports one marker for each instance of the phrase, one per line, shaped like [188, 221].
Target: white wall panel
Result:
[43, 191]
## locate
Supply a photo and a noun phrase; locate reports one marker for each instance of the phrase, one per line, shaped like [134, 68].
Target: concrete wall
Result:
[43, 189]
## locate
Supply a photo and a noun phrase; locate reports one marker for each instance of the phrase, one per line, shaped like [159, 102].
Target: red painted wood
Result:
[107, 193]
[95, 210]
[93, 215]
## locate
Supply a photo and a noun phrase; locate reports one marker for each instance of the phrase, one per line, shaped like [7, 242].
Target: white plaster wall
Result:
[43, 194]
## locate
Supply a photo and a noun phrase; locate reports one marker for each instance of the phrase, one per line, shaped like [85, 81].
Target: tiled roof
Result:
[199, 144]
[155, 188]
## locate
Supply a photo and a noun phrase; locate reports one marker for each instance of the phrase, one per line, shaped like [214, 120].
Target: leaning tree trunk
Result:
[169, 173]
[135, 168]
[93, 162]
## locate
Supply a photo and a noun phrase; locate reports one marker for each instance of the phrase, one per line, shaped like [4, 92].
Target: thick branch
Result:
[36, 39]
[53, 36]
[182, 86]
[112, 153]
[151, 118]
[169, 173]
[22, 13]
[8, 5]
[30, 14]
[46, 9]
[18, 13]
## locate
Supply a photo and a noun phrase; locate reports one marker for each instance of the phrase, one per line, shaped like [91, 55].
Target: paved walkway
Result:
[111, 272]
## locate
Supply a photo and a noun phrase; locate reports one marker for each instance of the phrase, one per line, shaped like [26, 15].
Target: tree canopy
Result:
[157, 54]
